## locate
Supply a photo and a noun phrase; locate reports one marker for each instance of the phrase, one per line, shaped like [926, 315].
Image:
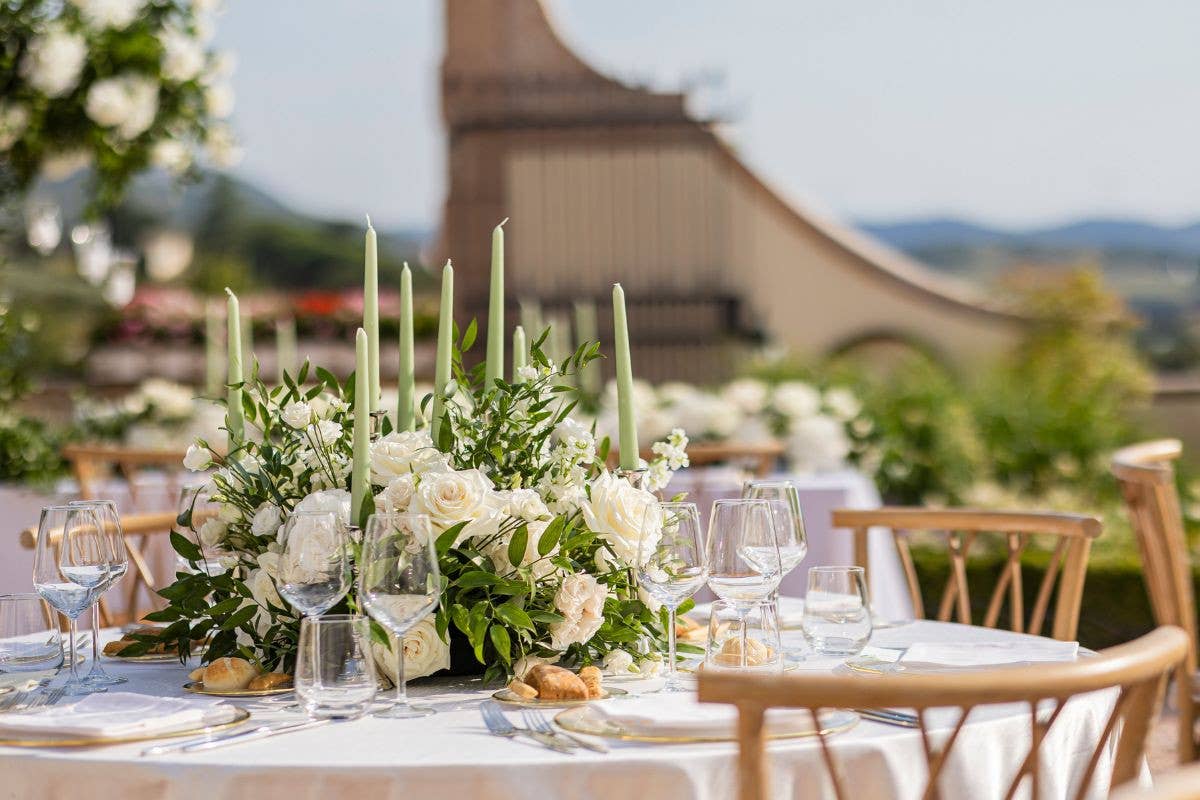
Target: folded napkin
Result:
[118, 714]
[683, 716]
[989, 654]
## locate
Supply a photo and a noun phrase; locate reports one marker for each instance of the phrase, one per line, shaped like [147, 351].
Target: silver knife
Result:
[889, 717]
[254, 735]
[179, 747]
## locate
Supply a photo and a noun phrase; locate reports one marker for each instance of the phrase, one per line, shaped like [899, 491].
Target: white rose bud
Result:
[212, 533]
[617, 662]
[198, 458]
[266, 520]
[298, 414]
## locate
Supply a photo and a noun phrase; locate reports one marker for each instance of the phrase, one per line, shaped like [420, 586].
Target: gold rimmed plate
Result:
[509, 697]
[197, 687]
[588, 720]
[240, 715]
[146, 658]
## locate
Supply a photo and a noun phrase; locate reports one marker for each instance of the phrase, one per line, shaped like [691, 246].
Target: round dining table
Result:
[452, 755]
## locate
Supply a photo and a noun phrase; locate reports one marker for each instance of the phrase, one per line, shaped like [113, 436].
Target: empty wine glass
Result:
[196, 509]
[671, 567]
[110, 521]
[399, 584]
[742, 554]
[335, 673]
[30, 640]
[789, 521]
[837, 616]
[314, 568]
[70, 579]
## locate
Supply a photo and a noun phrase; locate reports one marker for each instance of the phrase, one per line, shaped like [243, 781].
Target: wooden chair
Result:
[1181, 784]
[961, 529]
[92, 464]
[1147, 478]
[760, 457]
[1139, 668]
[141, 526]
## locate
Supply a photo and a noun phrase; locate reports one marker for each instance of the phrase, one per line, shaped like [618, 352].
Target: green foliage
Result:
[30, 451]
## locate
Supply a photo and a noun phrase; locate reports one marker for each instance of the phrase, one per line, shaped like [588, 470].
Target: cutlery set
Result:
[538, 729]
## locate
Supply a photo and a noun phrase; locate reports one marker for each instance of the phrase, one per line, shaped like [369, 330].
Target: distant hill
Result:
[1098, 234]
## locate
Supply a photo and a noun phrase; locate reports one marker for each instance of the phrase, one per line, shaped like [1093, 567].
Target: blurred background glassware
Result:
[110, 520]
[673, 569]
[314, 568]
[739, 640]
[837, 614]
[399, 585]
[30, 640]
[195, 508]
[335, 673]
[70, 575]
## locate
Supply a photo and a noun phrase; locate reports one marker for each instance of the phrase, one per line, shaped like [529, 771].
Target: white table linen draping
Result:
[450, 755]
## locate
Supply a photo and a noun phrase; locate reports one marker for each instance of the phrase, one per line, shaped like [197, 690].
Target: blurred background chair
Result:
[1146, 474]
[1182, 784]
[94, 465]
[1139, 668]
[963, 529]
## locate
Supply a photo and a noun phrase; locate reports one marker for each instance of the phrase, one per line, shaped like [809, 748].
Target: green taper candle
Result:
[495, 342]
[371, 313]
[285, 346]
[234, 422]
[627, 420]
[520, 353]
[441, 364]
[360, 468]
[586, 331]
[405, 405]
[214, 370]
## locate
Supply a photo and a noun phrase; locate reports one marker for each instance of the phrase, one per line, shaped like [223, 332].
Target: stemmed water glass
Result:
[672, 567]
[742, 552]
[70, 579]
[399, 584]
[110, 526]
[314, 568]
[788, 519]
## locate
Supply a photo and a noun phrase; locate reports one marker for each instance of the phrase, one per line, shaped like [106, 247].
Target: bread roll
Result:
[757, 653]
[272, 680]
[521, 689]
[556, 683]
[197, 674]
[229, 675]
[593, 680]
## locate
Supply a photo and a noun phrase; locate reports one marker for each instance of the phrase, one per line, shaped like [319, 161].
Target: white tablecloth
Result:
[820, 494]
[450, 755]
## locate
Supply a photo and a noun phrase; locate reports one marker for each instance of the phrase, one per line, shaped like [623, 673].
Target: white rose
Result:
[424, 653]
[266, 520]
[524, 504]
[617, 662]
[817, 443]
[103, 14]
[228, 513]
[796, 399]
[127, 102]
[14, 118]
[580, 599]
[262, 588]
[452, 497]
[397, 495]
[212, 533]
[53, 61]
[748, 394]
[219, 100]
[843, 403]
[183, 56]
[648, 600]
[197, 458]
[298, 414]
[336, 501]
[401, 452]
[623, 516]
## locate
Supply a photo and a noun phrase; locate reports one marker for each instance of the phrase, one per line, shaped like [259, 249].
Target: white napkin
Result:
[118, 714]
[988, 654]
[682, 715]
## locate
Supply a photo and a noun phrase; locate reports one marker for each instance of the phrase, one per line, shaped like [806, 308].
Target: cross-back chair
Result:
[961, 530]
[1146, 474]
[1138, 668]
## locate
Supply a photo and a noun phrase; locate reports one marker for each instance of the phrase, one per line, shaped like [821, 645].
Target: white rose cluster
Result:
[404, 452]
[580, 600]
[116, 14]
[127, 103]
[53, 61]
[183, 56]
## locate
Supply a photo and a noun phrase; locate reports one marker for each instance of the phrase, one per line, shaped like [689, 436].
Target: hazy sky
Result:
[1015, 112]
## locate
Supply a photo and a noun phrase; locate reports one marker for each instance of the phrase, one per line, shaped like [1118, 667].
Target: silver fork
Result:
[499, 725]
[46, 698]
[536, 720]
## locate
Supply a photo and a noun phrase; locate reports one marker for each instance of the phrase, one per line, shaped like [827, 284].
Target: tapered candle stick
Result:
[214, 369]
[520, 352]
[405, 404]
[495, 342]
[360, 466]
[586, 331]
[285, 346]
[627, 420]
[441, 365]
[234, 422]
[371, 313]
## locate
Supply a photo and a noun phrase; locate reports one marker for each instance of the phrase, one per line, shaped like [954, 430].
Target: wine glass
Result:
[671, 568]
[110, 521]
[70, 579]
[399, 584]
[314, 568]
[30, 640]
[196, 507]
[335, 673]
[744, 566]
[788, 519]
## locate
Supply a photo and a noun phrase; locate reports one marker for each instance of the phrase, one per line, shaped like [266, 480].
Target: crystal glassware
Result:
[744, 566]
[335, 673]
[196, 507]
[789, 521]
[106, 512]
[314, 568]
[69, 578]
[30, 640]
[744, 641]
[671, 567]
[399, 585]
[837, 615]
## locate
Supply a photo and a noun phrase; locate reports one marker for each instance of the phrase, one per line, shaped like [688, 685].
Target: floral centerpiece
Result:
[537, 541]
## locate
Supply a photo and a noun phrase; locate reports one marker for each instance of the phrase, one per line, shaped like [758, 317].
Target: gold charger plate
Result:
[197, 687]
[587, 721]
[240, 716]
[508, 697]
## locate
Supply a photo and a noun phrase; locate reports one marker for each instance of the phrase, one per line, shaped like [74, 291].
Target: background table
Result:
[450, 755]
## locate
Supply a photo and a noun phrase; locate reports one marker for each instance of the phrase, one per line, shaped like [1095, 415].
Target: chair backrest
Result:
[1139, 668]
[92, 464]
[960, 529]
